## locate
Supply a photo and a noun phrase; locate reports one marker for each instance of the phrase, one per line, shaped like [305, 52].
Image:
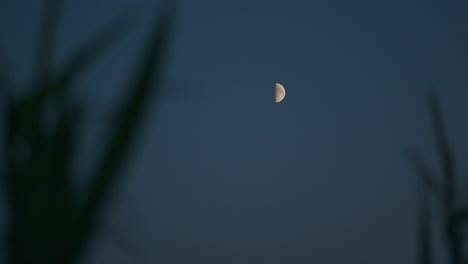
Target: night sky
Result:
[222, 174]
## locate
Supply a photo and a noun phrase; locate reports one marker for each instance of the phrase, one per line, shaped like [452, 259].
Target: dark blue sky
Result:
[222, 174]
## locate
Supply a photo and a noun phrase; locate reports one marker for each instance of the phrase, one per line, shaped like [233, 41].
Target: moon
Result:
[280, 92]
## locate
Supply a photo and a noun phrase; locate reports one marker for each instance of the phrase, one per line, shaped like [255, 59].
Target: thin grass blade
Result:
[148, 73]
[427, 177]
[443, 148]
[462, 215]
[48, 34]
[424, 234]
[82, 59]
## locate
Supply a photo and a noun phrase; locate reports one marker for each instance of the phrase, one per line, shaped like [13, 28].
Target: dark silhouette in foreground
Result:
[49, 221]
[454, 216]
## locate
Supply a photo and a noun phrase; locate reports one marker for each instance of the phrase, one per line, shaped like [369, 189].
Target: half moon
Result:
[280, 92]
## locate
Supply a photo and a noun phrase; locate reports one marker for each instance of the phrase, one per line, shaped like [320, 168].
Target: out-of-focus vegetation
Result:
[454, 215]
[49, 221]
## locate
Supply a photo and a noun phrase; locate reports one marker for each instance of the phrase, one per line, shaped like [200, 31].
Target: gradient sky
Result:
[222, 174]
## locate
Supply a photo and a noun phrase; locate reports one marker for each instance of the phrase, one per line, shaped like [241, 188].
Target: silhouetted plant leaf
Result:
[452, 218]
[86, 55]
[462, 215]
[148, 72]
[452, 228]
[443, 148]
[426, 175]
[62, 147]
[47, 37]
[6, 83]
[424, 235]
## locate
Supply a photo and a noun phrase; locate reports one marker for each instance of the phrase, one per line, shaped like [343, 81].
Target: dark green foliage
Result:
[49, 222]
[454, 218]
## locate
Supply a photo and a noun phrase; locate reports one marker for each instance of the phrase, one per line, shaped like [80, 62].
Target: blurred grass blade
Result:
[148, 72]
[446, 157]
[6, 83]
[82, 59]
[424, 234]
[98, 44]
[452, 220]
[48, 35]
[63, 149]
[462, 215]
[426, 175]
[48, 223]
[6, 86]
